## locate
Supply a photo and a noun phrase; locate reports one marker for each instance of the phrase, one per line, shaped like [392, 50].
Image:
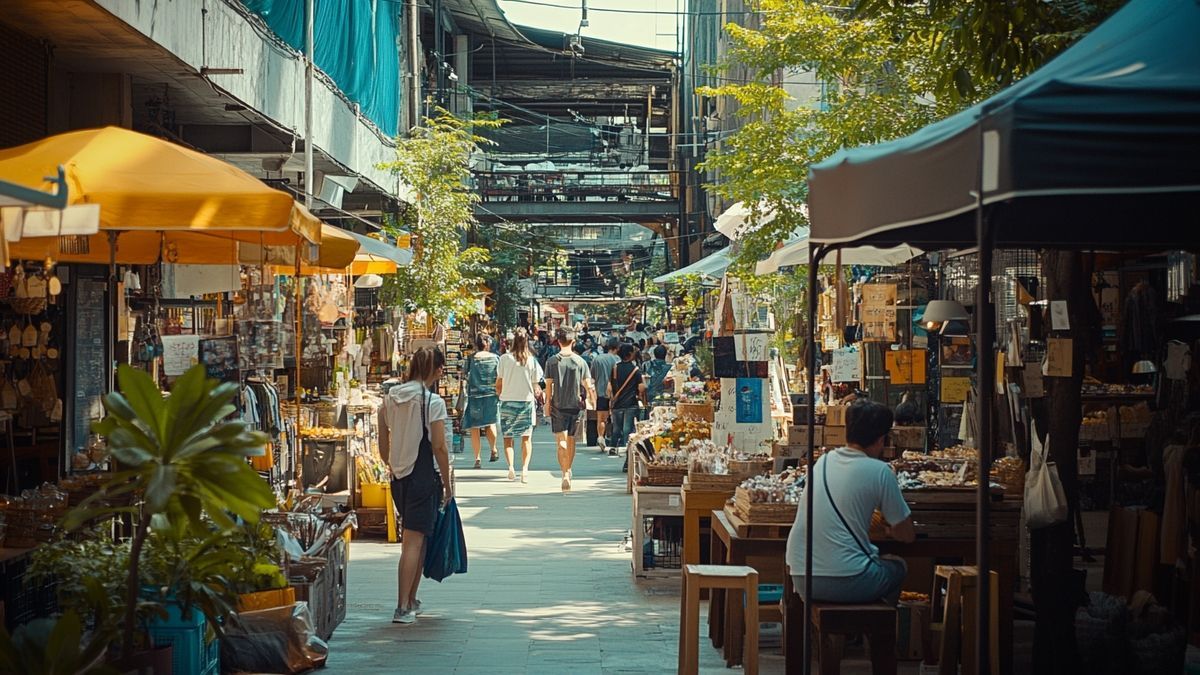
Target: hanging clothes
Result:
[1141, 322]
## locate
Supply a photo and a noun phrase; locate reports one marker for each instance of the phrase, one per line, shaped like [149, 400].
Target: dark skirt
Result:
[481, 412]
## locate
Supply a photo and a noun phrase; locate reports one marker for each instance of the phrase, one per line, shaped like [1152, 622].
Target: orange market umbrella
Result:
[167, 202]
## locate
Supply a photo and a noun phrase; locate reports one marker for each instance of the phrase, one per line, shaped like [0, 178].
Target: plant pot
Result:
[156, 661]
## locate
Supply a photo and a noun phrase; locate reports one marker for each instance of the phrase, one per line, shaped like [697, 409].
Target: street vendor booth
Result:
[1093, 151]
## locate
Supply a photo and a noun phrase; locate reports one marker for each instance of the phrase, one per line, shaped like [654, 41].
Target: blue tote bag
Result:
[446, 552]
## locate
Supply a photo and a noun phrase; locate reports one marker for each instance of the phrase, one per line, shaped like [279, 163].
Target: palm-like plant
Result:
[179, 459]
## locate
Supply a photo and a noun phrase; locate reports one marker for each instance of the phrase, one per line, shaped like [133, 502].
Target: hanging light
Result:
[939, 312]
[1144, 367]
[368, 281]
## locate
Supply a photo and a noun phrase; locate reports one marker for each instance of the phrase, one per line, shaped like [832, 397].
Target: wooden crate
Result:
[754, 530]
[714, 482]
[758, 513]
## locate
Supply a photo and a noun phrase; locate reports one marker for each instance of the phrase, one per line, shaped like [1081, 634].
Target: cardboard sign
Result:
[180, 352]
[954, 389]
[846, 365]
[751, 346]
[1031, 381]
[906, 366]
[1058, 357]
[879, 312]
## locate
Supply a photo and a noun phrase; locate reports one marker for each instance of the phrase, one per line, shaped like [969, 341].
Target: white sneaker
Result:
[418, 610]
[404, 616]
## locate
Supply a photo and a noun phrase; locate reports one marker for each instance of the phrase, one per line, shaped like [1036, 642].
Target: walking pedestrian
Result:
[625, 386]
[655, 371]
[482, 405]
[568, 390]
[601, 369]
[516, 383]
[413, 443]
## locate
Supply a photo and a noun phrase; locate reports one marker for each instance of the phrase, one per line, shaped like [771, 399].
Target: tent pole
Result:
[114, 305]
[814, 258]
[298, 466]
[985, 363]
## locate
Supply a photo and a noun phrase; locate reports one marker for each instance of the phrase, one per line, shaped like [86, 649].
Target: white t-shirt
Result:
[401, 414]
[859, 485]
[517, 378]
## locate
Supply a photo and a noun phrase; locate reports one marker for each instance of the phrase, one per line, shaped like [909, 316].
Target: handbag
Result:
[1045, 499]
[460, 401]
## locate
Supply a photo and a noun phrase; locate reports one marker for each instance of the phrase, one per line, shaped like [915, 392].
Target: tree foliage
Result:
[435, 164]
[515, 250]
[889, 67]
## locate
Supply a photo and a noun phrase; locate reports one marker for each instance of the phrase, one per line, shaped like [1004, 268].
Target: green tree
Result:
[435, 163]
[514, 252]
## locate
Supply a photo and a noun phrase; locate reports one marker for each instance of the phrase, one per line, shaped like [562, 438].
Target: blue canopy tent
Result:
[1095, 149]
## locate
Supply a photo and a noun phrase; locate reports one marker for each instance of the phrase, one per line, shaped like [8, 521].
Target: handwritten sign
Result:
[180, 352]
[671, 338]
[906, 366]
[1058, 357]
[954, 389]
[879, 312]
[846, 365]
[751, 346]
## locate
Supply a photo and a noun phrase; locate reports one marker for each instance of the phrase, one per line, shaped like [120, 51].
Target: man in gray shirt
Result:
[602, 368]
[568, 389]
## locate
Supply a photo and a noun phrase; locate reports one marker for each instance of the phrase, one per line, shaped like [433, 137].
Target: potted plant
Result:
[183, 475]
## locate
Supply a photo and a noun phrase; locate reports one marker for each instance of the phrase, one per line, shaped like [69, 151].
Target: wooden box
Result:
[702, 411]
[798, 435]
[913, 634]
[834, 436]
[835, 415]
[785, 451]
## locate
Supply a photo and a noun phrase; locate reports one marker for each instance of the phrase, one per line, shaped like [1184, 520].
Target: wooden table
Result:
[698, 505]
[651, 500]
[725, 619]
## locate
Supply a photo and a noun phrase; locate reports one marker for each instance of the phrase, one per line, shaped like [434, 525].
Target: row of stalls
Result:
[153, 255]
[1019, 284]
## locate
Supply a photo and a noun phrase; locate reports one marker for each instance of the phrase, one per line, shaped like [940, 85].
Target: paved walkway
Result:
[550, 588]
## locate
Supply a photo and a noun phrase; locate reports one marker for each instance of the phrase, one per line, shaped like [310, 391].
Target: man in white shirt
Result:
[850, 483]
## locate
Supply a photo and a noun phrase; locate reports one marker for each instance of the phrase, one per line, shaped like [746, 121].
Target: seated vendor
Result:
[851, 483]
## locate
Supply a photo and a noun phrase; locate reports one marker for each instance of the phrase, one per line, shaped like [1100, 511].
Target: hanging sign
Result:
[180, 352]
[954, 389]
[1058, 357]
[846, 365]
[879, 312]
[905, 366]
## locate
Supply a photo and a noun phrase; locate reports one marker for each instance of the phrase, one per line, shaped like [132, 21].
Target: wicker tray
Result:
[664, 475]
[752, 512]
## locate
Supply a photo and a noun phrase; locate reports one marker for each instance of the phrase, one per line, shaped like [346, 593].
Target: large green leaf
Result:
[144, 399]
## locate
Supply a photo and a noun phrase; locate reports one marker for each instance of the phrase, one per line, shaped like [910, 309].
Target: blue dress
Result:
[482, 402]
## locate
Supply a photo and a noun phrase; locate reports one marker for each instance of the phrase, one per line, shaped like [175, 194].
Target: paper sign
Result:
[832, 341]
[906, 366]
[749, 400]
[1086, 461]
[879, 312]
[1031, 381]
[180, 352]
[1058, 357]
[671, 338]
[954, 389]
[751, 346]
[846, 365]
[1059, 319]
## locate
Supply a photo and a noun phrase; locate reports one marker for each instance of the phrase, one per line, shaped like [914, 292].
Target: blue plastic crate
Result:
[192, 652]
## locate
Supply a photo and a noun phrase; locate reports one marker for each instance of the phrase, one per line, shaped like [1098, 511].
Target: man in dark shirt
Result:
[626, 387]
[568, 389]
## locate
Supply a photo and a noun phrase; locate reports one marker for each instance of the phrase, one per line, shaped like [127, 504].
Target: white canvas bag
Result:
[1045, 500]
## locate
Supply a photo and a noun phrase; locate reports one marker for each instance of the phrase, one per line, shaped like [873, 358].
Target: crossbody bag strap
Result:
[829, 496]
[623, 384]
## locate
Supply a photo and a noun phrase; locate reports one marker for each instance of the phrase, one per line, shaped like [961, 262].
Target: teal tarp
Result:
[356, 44]
[1098, 147]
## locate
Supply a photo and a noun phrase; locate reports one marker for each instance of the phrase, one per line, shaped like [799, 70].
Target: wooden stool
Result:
[728, 577]
[959, 618]
[833, 621]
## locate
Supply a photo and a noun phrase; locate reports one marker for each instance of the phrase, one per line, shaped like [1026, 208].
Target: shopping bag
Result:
[446, 551]
[1045, 500]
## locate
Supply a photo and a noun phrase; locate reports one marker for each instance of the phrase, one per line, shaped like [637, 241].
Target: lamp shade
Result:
[368, 281]
[941, 311]
[1144, 367]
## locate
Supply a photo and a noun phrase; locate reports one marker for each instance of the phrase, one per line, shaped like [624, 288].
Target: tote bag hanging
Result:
[1045, 500]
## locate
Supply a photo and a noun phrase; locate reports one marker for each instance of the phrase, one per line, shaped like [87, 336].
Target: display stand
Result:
[650, 501]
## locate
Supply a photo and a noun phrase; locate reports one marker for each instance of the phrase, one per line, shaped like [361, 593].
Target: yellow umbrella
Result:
[341, 249]
[167, 202]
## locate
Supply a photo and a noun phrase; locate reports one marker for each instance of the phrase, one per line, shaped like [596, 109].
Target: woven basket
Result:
[714, 482]
[749, 468]
[27, 305]
[664, 475]
[759, 512]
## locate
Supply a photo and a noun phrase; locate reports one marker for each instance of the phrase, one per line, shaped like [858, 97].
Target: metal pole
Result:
[985, 320]
[414, 62]
[309, 11]
[814, 258]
